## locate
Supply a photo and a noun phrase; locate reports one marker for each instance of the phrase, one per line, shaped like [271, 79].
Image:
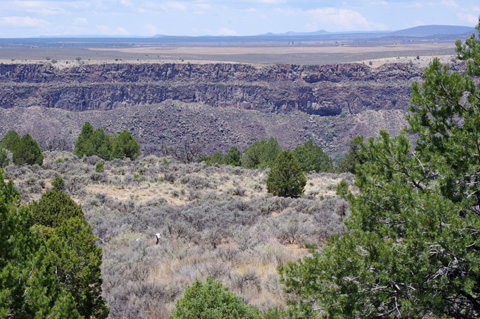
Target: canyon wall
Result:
[319, 90]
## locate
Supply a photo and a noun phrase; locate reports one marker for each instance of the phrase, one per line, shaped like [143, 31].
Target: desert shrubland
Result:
[215, 220]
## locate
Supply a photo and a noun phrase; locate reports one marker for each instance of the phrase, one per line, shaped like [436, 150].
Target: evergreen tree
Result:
[126, 146]
[101, 144]
[412, 248]
[352, 158]
[210, 300]
[28, 285]
[312, 158]
[78, 262]
[286, 177]
[233, 157]
[27, 152]
[261, 154]
[53, 208]
[84, 145]
[4, 161]
[10, 141]
[76, 257]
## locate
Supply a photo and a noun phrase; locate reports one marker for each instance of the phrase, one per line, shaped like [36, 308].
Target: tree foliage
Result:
[233, 157]
[28, 285]
[10, 140]
[352, 157]
[78, 262]
[92, 142]
[53, 208]
[84, 146]
[261, 154]
[210, 300]
[311, 157]
[286, 178]
[412, 248]
[27, 151]
[125, 146]
[4, 161]
[75, 255]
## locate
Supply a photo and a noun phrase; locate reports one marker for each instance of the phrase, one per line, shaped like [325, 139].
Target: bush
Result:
[53, 208]
[99, 167]
[261, 154]
[4, 161]
[286, 178]
[312, 158]
[211, 301]
[58, 183]
[233, 157]
[342, 188]
[10, 141]
[126, 146]
[27, 151]
[92, 142]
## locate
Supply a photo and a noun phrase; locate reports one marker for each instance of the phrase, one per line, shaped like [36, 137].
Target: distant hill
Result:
[430, 30]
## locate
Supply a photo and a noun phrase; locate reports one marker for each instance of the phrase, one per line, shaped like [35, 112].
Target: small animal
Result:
[158, 238]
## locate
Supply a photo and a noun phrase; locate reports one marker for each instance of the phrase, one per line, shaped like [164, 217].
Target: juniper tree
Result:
[211, 300]
[10, 140]
[412, 248]
[27, 151]
[233, 157]
[29, 287]
[126, 146]
[286, 178]
[312, 158]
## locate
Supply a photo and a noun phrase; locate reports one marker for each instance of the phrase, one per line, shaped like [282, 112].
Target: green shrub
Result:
[233, 157]
[99, 167]
[4, 161]
[126, 146]
[211, 300]
[261, 154]
[286, 178]
[10, 141]
[53, 208]
[311, 157]
[58, 183]
[27, 152]
[92, 142]
[342, 188]
[59, 160]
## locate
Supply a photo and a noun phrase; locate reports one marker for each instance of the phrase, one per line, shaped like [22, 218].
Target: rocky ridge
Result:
[319, 90]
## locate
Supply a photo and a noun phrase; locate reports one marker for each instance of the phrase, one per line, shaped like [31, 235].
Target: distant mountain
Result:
[430, 30]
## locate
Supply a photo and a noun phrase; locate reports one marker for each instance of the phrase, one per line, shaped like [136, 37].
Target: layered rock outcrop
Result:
[319, 90]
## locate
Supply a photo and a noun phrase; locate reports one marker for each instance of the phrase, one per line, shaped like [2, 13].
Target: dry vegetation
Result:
[213, 220]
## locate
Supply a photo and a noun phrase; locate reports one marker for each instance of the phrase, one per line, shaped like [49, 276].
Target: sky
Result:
[32, 18]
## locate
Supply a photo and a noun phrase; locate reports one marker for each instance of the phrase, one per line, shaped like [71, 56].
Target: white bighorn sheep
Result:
[157, 235]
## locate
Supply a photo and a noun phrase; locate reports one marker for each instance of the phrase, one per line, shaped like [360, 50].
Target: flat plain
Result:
[327, 53]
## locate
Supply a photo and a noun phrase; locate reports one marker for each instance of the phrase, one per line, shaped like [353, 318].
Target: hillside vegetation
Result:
[213, 220]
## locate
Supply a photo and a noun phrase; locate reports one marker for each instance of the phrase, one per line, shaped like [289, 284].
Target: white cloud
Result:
[20, 22]
[175, 5]
[449, 4]
[341, 20]
[226, 31]
[468, 18]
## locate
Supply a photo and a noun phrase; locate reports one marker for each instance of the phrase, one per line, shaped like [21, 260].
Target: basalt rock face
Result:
[318, 90]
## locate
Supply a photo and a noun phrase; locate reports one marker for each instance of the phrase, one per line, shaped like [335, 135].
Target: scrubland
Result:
[212, 220]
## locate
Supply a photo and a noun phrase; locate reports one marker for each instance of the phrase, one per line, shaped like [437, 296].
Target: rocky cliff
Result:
[318, 90]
